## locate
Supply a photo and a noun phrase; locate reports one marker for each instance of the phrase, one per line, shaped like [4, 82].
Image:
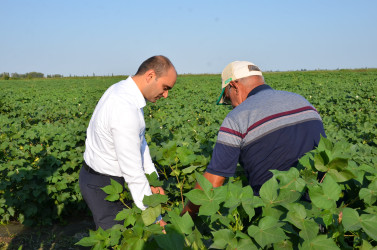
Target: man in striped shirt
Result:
[267, 129]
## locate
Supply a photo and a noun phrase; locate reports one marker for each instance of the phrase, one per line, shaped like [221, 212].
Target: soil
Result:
[59, 236]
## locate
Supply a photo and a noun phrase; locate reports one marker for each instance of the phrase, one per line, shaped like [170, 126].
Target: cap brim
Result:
[220, 101]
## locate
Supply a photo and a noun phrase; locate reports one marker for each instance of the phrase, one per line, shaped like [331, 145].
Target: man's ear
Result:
[235, 85]
[150, 75]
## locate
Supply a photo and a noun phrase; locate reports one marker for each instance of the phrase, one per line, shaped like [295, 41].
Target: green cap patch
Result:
[228, 81]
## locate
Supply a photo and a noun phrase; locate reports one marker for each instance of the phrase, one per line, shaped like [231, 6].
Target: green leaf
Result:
[112, 197]
[223, 220]
[287, 196]
[367, 246]
[268, 191]
[327, 217]
[350, 219]
[331, 188]
[182, 224]
[267, 232]
[197, 196]
[138, 228]
[368, 223]
[185, 155]
[290, 179]
[245, 244]
[115, 234]
[204, 183]
[341, 176]
[209, 201]
[320, 161]
[325, 195]
[153, 229]
[113, 190]
[212, 205]
[249, 201]
[195, 239]
[128, 215]
[117, 186]
[234, 194]
[296, 214]
[242, 235]
[338, 163]
[369, 195]
[150, 214]
[170, 241]
[309, 229]
[61, 185]
[249, 206]
[189, 170]
[155, 199]
[319, 243]
[153, 180]
[286, 244]
[324, 144]
[133, 243]
[96, 238]
[87, 241]
[222, 238]
[307, 160]
[123, 214]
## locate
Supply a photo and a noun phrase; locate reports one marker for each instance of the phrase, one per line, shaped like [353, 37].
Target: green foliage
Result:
[114, 190]
[42, 131]
[231, 216]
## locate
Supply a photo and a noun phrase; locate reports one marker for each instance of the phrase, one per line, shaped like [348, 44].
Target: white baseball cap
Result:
[234, 71]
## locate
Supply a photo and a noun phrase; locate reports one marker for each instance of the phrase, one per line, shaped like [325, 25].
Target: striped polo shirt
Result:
[271, 129]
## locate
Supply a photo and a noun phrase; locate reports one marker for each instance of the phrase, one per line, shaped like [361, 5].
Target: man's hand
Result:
[157, 190]
[191, 208]
[162, 224]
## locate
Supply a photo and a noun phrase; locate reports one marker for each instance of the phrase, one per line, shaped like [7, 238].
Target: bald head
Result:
[159, 64]
[251, 82]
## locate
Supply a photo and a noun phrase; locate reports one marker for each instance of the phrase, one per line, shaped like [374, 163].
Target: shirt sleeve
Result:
[128, 138]
[227, 150]
[147, 160]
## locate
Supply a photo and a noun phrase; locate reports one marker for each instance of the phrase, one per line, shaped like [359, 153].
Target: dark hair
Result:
[160, 65]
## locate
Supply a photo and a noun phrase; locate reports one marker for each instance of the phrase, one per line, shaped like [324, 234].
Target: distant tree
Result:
[16, 75]
[34, 75]
[5, 76]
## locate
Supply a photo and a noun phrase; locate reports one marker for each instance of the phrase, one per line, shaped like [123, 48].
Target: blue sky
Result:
[83, 37]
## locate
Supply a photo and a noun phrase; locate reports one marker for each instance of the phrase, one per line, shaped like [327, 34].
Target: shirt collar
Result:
[259, 89]
[139, 98]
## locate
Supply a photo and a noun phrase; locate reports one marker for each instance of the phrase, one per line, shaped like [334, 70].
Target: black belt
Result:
[92, 171]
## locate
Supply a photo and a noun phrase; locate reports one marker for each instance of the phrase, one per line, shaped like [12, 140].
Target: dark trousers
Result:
[103, 211]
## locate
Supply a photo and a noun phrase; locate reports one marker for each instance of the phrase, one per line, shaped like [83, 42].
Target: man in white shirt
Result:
[115, 146]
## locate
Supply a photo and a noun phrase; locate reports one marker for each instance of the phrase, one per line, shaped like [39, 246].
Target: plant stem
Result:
[323, 178]
[121, 199]
[183, 203]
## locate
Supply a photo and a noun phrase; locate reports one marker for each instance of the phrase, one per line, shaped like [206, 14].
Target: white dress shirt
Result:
[115, 143]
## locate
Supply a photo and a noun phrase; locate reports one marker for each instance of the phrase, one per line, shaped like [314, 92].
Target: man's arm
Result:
[125, 128]
[149, 166]
[216, 181]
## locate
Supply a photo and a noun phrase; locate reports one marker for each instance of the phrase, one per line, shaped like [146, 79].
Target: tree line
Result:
[29, 75]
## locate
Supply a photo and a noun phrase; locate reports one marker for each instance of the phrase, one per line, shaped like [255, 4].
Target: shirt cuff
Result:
[158, 219]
